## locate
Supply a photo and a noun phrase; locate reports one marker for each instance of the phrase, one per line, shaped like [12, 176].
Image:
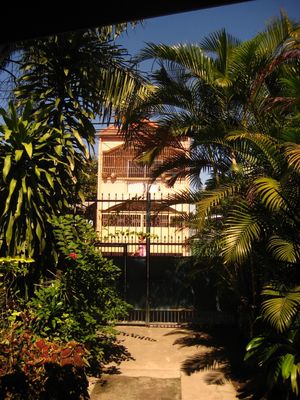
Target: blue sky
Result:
[242, 20]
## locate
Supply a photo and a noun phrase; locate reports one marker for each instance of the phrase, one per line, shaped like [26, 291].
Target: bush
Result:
[13, 272]
[81, 304]
[28, 364]
[65, 330]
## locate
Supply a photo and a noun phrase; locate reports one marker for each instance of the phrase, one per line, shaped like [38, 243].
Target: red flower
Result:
[73, 256]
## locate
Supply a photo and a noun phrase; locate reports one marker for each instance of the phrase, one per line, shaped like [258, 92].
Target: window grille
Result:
[120, 162]
[136, 170]
[121, 220]
[158, 221]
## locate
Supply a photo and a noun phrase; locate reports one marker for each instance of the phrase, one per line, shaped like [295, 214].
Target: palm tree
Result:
[204, 97]
[78, 75]
[69, 79]
[205, 91]
[239, 103]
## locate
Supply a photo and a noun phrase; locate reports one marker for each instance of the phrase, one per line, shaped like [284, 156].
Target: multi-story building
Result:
[129, 204]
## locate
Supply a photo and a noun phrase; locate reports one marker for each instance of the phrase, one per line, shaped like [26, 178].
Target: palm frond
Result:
[269, 191]
[281, 307]
[188, 55]
[291, 86]
[210, 199]
[292, 152]
[221, 44]
[191, 164]
[241, 231]
[278, 33]
[284, 250]
[264, 143]
[286, 57]
[121, 86]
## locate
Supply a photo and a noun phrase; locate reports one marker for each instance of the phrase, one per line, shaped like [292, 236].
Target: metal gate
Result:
[146, 237]
[153, 286]
[152, 278]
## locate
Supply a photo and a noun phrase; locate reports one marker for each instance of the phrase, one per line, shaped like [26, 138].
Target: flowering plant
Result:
[73, 256]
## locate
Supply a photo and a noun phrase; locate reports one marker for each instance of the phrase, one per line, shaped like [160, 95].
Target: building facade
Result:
[130, 206]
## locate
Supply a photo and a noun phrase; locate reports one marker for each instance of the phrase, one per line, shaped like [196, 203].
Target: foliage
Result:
[64, 81]
[122, 235]
[81, 304]
[239, 105]
[12, 271]
[236, 102]
[37, 163]
[275, 352]
[83, 75]
[65, 329]
[28, 362]
[69, 79]
[87, 180]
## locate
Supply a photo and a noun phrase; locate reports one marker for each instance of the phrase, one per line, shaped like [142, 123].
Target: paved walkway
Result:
[169, 364]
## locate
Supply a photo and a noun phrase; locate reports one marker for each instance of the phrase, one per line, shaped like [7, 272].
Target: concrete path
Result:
[173, 363]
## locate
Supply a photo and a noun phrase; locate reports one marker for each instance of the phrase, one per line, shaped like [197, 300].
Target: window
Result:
[121, 220]
[136, 170]
[158, 221]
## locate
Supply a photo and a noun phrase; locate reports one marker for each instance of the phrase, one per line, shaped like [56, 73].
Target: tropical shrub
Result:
[81, 303]
[65, 329]
[37, 163]
[275, 352]
[35, 368]
[13, 274]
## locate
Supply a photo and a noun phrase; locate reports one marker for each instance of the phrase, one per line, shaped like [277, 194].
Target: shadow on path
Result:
[114, 353]
[223, 359]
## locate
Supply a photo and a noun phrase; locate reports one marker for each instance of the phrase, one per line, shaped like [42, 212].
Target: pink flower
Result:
[73, 256]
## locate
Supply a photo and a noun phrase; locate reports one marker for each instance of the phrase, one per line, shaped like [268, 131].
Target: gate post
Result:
[148, 224]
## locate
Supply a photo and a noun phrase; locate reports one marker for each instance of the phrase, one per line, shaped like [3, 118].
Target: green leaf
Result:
[19, 204]
[6, 166]
[286, 366]
[78, 137]
[241, 231]
[280, 309]
[45, 137]
[7, 132]
[210, 199]
[270, 192]
[39, 231]
[49, 179]
[293, 154]
[9, 229]
[255, 342]
[29, 194]
[81, 196]
[37, 171]
[57, 102]
[28, 148]
[58, 150]
[284, 250]
[18, 155]
[24, 188]
[295, 373]
[12, 186]
[71, 162]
